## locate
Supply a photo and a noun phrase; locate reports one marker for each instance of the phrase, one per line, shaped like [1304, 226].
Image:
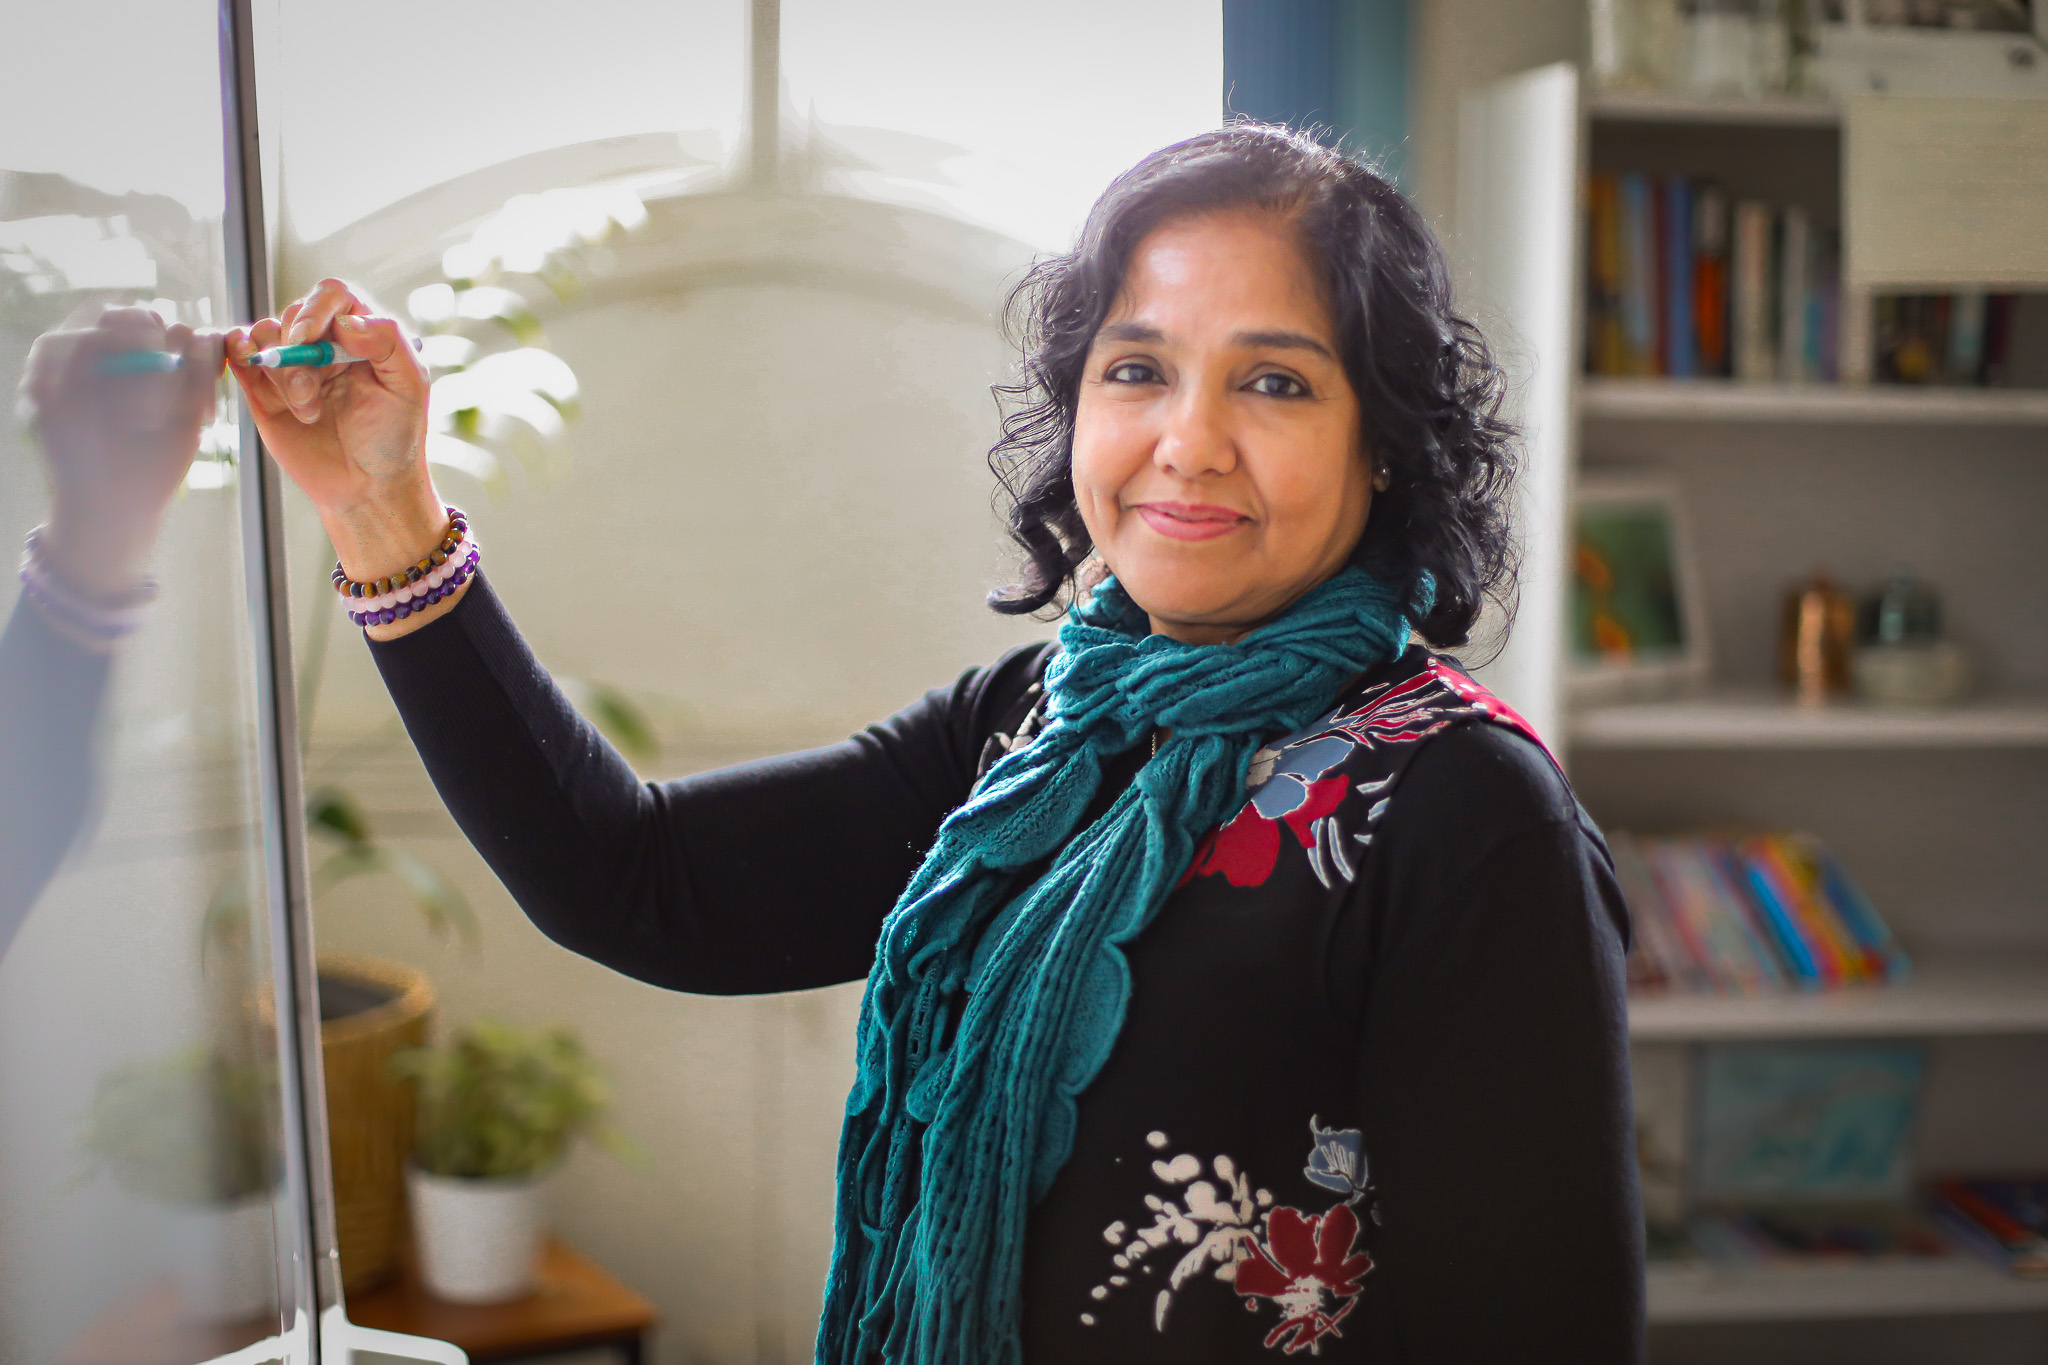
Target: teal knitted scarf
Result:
[953, 1133]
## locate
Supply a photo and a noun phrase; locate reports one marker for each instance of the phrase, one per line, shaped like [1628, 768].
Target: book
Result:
[1778, 913]
[1860, 1233]
[1730, 899]
[1710, 280]
[1750, 293]
[1748, 915]
[1606, 352]
[1838, 960]
[1716, 937]
[1679, 335]
[2006, 1221]
[1655, 936]
[1794, 248]
[1639, 275]
[1888, 960]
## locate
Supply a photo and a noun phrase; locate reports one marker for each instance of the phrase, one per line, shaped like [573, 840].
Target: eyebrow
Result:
[1277, 340]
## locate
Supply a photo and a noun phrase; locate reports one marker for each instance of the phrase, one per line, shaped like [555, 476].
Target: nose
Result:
[1197, 439]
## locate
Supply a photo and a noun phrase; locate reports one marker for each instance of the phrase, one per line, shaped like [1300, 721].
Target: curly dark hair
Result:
[1429, 389]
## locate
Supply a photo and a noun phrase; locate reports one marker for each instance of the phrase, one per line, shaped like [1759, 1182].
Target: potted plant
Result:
[497, 1107]
[193, 1131]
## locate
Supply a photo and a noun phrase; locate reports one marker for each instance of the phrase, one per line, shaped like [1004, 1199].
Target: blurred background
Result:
[724, 278]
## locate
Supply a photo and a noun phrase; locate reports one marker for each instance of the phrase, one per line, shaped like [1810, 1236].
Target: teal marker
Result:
[309, 353]
[270, 358]
[140, 362]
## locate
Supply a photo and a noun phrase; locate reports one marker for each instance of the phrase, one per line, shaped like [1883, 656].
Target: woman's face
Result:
[1217, 458]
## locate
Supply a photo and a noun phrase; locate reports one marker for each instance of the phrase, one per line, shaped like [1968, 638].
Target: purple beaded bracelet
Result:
[449, 548]
[387, 615]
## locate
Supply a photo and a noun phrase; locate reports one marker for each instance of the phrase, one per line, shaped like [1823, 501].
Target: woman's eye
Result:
[1273, 384]
[1130, 372]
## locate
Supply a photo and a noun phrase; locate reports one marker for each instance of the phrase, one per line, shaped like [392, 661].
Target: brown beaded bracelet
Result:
[451, 541]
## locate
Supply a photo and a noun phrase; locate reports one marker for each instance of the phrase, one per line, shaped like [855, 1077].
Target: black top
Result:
[1370, 1100]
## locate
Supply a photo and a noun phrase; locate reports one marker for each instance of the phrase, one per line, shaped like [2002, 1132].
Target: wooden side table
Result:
[576, 1305]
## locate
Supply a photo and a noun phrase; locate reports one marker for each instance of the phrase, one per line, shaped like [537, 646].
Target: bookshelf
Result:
[1936, 810]
[1766, 720]
[1953, 1284]
[1618, 106]
[1603, 399]
[1948, 995]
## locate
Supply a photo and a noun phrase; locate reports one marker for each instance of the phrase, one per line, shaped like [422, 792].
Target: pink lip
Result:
[1190, 521]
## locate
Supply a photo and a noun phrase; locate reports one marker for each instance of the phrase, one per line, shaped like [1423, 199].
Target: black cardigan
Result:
[1370, 1100]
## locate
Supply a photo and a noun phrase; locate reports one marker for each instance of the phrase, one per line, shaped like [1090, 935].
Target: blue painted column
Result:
[1336, 67]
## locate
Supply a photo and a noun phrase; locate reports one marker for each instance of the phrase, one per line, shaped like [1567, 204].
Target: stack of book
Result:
[1749, 915]
[1684, 282]
[1945, 338]
[1794, 1234]
[2005, 1221]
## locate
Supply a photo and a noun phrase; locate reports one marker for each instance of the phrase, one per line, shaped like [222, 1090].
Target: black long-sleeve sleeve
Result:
[50, 695]
[1493, 1067]
[769, 876]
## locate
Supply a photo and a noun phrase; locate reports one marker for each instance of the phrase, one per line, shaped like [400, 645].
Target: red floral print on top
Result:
[1296, 783]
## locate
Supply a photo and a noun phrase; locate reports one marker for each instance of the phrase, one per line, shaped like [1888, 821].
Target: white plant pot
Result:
[478, 1240]
[223, 1265]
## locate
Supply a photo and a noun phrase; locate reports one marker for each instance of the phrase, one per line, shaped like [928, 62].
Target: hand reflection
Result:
[117, 444]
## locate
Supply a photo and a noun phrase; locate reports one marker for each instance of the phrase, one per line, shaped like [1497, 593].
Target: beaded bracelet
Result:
[411, 591]
[95, 621]
[459, 573]
[451, 543]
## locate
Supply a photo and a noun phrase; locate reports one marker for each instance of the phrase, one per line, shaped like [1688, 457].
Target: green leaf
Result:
[335, 813]
[501, 1101]
[438, 898]
[440, 904]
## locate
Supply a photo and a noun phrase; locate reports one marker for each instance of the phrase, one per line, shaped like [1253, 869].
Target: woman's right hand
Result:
[353, 437]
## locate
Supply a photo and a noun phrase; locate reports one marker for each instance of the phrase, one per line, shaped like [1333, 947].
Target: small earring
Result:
[1379, 481]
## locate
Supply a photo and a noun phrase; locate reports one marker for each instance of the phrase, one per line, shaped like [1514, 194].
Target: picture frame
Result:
[1637, 626]
[1782, 1123]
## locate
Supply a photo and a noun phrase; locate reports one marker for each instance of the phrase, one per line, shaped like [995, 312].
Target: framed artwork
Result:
[1805, 1122]
[1638, 621]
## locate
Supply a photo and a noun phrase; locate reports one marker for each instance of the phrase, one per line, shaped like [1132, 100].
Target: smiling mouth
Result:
[1183, 521]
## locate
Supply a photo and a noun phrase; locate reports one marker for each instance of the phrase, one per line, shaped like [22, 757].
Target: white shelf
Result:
[1669, 106]
[1771, 721]
[1942, 997]
[1604, 398]
[1959, 1283]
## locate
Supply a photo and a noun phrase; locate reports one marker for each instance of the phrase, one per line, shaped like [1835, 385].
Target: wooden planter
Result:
[369, 1009]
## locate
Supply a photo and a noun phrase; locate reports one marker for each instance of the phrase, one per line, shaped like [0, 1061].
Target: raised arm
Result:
[769, 876]
[773, 875]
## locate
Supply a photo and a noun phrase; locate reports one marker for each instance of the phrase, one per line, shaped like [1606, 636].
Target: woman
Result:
[1241, 979]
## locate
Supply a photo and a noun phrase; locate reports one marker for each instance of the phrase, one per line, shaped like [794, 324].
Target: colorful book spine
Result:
[1715, 936]
[1710, 280]
[1747, 916]
[1794, 248]
[1639, 275]
[1836, 947]
[1730, 901]
[1751, 293]
[1792, 945]
[1680, 335]
[1605, 347]
[2006, 1219]
[1650, 918]
[1887, 960]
